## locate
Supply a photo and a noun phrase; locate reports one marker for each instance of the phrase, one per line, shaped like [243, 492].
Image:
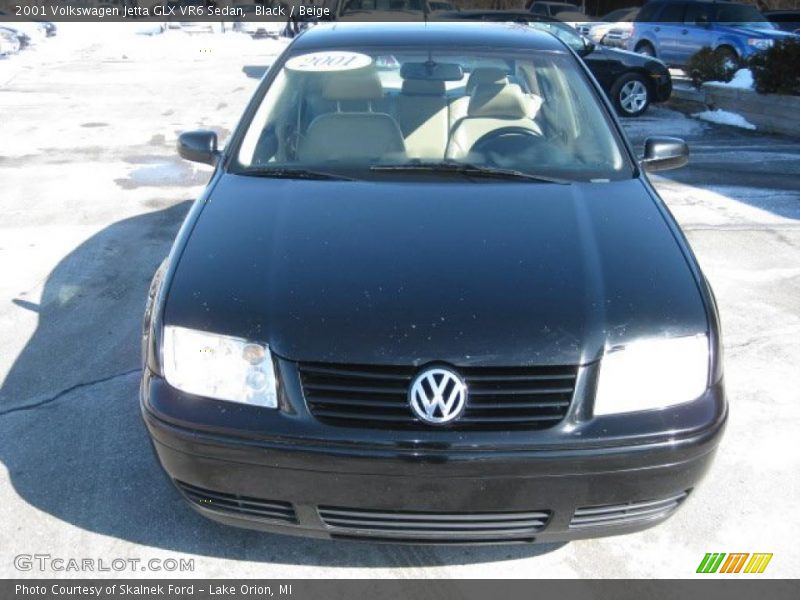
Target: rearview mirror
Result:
[432, 71]
[199, 146]
[664, 153]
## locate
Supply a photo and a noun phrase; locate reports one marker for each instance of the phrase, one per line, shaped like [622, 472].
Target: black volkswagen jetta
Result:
[430, 296]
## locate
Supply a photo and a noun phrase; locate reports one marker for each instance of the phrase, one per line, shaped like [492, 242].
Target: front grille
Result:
[498, 397]
[233, 504]
[433, 526]
[624, 514]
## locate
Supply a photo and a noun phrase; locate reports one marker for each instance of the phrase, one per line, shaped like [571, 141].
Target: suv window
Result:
[649, 11]
[672, 13]
[539, 9]
[697, 13]
[739, 13]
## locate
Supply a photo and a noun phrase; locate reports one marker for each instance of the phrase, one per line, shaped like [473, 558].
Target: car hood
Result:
[631, 59]
[763, 30]
[408, 273]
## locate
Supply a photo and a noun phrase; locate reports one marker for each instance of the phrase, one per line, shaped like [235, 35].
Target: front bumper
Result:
[401, 487]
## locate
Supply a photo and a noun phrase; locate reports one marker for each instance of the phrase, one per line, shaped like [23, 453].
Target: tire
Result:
[730, 58]
[646, 48]
[631, 95]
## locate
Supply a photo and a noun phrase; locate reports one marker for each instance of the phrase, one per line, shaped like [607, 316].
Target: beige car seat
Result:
[480, 76]
[492, 107]
[360, 134]
[486, 76]
[422, 113]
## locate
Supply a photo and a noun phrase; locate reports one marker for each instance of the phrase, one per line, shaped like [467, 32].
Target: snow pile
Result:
[742, 80]
[724, 117]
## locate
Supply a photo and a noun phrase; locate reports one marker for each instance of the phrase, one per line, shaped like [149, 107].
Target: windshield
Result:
[355, 112]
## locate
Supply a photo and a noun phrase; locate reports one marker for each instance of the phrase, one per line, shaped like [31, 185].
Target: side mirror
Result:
[199, 146]
[588, 47]
[664, 153]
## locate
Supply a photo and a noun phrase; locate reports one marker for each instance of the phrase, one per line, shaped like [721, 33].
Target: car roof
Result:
[432, 34]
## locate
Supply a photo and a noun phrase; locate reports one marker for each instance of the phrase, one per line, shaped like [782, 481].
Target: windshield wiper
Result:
[470, 170]
[292, 173]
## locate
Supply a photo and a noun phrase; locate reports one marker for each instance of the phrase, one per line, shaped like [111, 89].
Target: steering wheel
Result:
[506, 142]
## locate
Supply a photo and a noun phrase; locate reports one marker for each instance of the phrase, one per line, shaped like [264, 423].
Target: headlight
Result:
[218, 366]
[652, 374]
[759, 43]
[625, 35]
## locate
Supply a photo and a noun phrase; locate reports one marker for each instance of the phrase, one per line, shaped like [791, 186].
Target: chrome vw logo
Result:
[437, 395]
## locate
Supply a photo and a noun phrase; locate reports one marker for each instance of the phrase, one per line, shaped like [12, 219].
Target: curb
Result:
[770, 113]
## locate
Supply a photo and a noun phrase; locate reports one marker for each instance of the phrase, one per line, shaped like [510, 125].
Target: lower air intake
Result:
[439, 527]
[624, 514]
[241, 506]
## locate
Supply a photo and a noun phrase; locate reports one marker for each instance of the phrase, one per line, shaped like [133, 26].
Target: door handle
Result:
[685, 31]
[658, 28]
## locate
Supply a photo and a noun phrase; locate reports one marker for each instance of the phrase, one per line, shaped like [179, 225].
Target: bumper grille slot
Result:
[498, 397]
[433, 526]
[242, 506]
[433, 541]
[623, 514]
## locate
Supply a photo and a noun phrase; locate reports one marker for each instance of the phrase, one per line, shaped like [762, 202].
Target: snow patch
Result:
[724, 117]
[159, 174]
[742, 80]
[660, 120]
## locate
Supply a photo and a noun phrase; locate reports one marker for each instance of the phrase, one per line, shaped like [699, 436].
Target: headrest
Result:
[500, 101]
[486, 75]
[423, 87]
[359, 84]
[347, 136]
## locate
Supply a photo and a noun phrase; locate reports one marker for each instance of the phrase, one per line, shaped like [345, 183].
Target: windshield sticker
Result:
[329, 61]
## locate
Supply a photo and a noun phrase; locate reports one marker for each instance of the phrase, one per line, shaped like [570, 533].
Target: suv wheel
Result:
[646, 48]
[631, 95]
[729, 58]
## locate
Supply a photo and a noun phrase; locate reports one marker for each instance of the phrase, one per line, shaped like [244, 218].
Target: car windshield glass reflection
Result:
[347, 111]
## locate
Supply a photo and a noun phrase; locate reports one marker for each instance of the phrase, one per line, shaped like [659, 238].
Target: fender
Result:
[731, 42]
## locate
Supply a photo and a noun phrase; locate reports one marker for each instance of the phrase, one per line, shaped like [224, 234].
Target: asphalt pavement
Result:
[91, 195]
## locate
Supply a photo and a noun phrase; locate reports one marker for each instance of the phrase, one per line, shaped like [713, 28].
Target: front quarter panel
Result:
[162, 280]
[703, 285]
